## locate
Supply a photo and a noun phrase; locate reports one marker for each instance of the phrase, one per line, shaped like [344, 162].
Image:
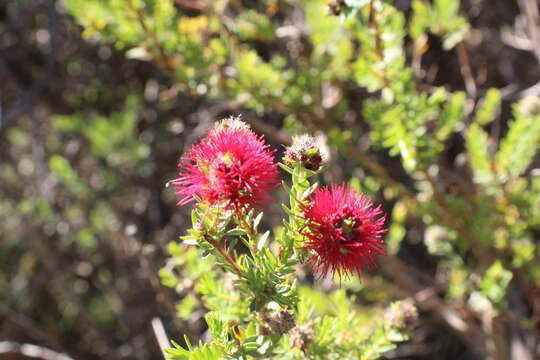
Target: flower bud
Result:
[281, 322]
[401, 315]
[304, 150]
[302, 336]
[530, 106]
[336, 6]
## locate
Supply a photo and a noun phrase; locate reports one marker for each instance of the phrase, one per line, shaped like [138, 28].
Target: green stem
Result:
[297, 189]
[250, 232]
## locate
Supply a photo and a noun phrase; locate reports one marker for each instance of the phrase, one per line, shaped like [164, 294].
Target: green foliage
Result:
[257, 81]
[252, 25]
[480, 158]
[521, 143]
[110, 137]
[349, 77]
[495, 282]
[61, 167]
[486, 111]
[397, 231]
[403, 124]
[441, 18]
[382, 341]
[201, 352]
[119, 20]
[382, 51]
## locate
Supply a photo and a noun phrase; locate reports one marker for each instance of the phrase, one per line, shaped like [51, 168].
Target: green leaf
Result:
[262, 240]
[257, 220]
[480, 160]
[453, 112]
[177, 352]
[286, 168]
[421, 17]
[236, 232]
[61, 167]
[522, 142]
[495, 282]
[485, 113]
[447, 9]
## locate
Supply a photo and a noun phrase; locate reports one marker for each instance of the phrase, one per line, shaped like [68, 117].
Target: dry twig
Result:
[32, 351]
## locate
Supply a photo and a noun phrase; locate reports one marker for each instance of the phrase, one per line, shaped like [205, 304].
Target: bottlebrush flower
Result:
[232, 167]
[343, 229]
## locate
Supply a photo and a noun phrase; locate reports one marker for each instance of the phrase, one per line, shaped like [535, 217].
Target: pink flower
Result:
[232, 167]
[344, 231]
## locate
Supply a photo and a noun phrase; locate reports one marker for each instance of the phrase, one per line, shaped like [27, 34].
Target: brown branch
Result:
[26, 101]
[280, 136]
[32, 351]
[164, 59]
[225, 256]
[161, 335]
[192, 4]
[366, 162]
[30, 328]
[406, 277]
[531, 13]
[465, 68]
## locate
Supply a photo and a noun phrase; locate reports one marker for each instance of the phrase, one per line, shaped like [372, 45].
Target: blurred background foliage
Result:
[430, 107]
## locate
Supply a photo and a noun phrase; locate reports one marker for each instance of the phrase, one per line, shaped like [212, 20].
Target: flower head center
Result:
[348, 227]
[227, 176]
[225, 169]
[227, 158]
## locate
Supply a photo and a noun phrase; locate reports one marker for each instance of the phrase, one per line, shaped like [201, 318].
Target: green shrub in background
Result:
[464, 188]
[479, 224]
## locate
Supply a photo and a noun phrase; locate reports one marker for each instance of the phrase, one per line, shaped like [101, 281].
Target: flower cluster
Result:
[343, 229]
[232, 168]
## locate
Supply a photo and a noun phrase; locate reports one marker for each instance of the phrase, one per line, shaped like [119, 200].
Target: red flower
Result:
[232, 167]
[343, 229]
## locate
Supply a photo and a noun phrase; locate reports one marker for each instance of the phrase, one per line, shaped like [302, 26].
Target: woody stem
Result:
[225, 256]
